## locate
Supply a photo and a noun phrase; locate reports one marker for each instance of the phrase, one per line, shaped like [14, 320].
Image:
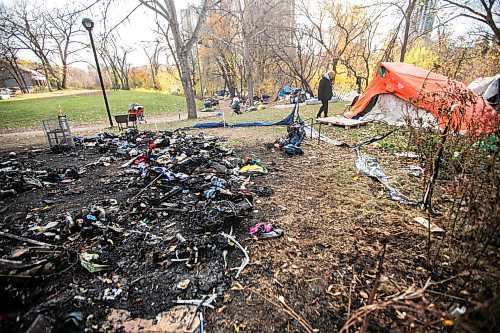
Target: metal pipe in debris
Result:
[319, 133]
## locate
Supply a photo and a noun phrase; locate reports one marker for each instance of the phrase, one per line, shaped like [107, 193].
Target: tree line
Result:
[255, 47]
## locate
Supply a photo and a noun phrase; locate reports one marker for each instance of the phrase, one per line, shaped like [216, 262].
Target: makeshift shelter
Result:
[401, 93]
[488, 88]
[291, 119]
[286, 90]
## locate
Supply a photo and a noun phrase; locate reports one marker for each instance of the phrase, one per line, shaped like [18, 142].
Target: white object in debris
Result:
[458, 311]
[425, 223]
[407, 154]
[111, 294]
[413, 170]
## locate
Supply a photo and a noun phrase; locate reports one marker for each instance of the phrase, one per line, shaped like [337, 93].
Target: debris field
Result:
[172, 232]
[140, 223]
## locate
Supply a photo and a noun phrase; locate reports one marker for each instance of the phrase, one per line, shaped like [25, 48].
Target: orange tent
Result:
[431, 92]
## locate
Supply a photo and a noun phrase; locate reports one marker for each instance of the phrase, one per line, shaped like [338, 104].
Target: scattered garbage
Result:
[110, 294]
[260, 227]
[313, 134]
[458, 311]
[87, 261]
[72, 322]
[254, 167]
[41, 324]
[369, 166]
[288, 120]
[265, 231]
[290, 144]
[173, 320]
[408, 154]
[261, 191]
[413, 170]
[156, 220]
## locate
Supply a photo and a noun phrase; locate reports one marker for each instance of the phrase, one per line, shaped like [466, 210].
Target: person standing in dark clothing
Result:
[325, 92]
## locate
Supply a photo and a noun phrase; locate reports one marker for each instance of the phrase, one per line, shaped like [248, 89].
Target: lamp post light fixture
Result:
[89, 24]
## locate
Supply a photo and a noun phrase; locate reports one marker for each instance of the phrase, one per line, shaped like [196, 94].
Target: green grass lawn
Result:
[80, 109]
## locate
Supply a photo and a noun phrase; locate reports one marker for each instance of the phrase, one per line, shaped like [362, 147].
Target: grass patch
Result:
[84, 109]
[235, 142]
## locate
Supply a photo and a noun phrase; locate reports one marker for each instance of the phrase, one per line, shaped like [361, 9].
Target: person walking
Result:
[325, 92]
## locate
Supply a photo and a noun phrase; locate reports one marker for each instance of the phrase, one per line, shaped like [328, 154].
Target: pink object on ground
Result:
[268, 227]
[256, 228]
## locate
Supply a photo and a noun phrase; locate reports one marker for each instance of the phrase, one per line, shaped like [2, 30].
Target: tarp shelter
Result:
[291, 119]
[285, 91]
[488, 88]
[401, 91]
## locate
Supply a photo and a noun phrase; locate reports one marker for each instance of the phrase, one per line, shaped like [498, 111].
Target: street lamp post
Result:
[89, 24]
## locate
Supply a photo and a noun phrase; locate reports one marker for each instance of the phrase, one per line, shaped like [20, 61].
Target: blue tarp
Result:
[286, 121]
[211, 125]
[285, 90]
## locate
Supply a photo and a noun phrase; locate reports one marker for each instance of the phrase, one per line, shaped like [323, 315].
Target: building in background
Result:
[266, 22]
[423, 18]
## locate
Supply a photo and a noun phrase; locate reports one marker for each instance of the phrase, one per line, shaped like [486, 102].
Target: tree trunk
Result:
[64, 79]
[183, 56]
[122, 83]
[156, 86]
[46, 71]
[240, 67]
[154, 74]
[125, 81]
[187, 85]
[335, 63]
[306, 87]
[406, 36]
[18, 75]
[246, 52]
[229, 76]
[248, 68]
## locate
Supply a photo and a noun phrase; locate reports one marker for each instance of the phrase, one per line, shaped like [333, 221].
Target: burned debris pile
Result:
[156, 227]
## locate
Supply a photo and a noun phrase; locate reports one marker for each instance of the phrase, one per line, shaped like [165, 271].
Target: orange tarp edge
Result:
[432, 92]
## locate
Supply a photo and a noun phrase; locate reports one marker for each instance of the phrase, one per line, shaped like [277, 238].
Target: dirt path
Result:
[58, 93]
[325, 264]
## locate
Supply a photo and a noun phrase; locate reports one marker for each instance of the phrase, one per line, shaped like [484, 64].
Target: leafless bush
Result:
[461, 185]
